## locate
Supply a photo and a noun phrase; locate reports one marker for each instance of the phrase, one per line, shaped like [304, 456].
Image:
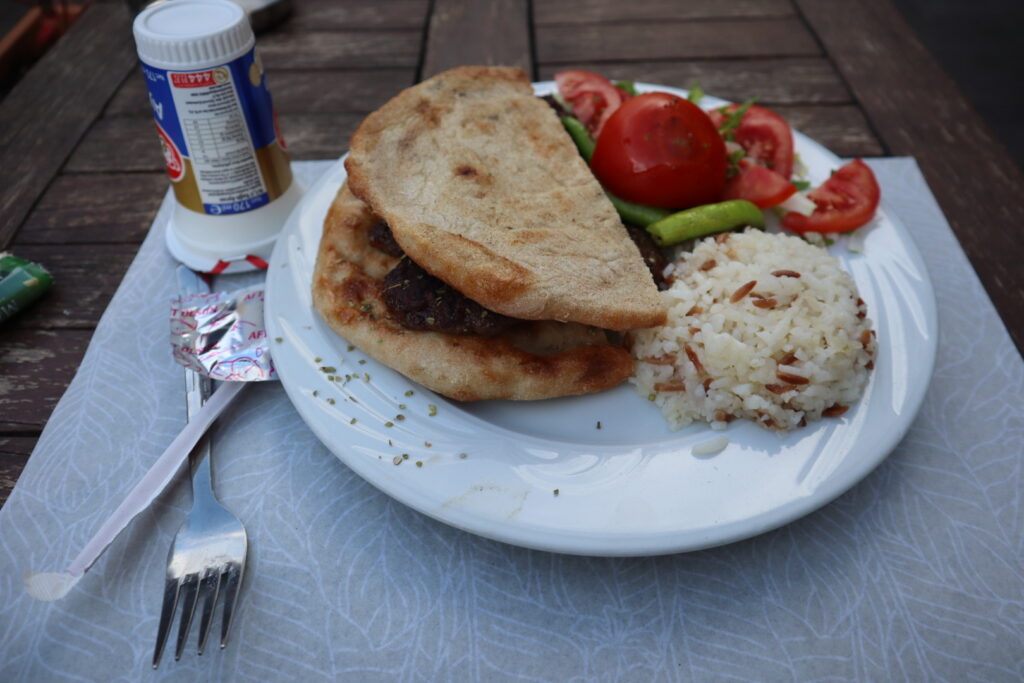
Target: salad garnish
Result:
[656, 158]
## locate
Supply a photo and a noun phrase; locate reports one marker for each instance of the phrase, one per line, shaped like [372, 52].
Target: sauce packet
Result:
[221, 335]
[21, 283]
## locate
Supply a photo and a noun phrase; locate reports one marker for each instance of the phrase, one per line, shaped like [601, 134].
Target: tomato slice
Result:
[755, 183]
[844, 202]
[661, 150]
[765, 137]
[593, 97]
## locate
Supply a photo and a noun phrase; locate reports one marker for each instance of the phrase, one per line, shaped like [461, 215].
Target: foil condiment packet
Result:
[221, 335]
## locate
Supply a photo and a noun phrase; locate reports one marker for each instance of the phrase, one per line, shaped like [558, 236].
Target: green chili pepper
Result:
[578, 132]
[21, 283]
[705, 220]
[636, 214]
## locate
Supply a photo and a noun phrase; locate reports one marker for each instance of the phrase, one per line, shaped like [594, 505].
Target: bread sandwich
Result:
[472, 250]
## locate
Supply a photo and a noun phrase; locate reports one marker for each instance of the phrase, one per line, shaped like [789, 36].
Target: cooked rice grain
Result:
[729, 355]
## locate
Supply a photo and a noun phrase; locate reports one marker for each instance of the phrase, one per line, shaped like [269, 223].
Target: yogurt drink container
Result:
[225, 157]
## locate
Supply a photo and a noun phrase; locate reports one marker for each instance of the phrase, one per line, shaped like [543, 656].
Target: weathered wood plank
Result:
[842, 129]
[84, 279]
[800, 80]
[328, 92]
[546, 12]
[90, 208]
[304, 92]
[462, 32]
[14, 452]
[35, 369]
[17, 445]
[120, 144]
[674, 40]
[132, 98]
[285, 49]
[319, 136]
[50, 109]
[331, 15]
[918, 110]
[116, 144]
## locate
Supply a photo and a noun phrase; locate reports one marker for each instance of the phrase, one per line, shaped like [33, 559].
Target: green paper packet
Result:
[21, 283]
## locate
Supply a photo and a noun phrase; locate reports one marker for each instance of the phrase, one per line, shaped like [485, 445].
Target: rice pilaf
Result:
[761, 326]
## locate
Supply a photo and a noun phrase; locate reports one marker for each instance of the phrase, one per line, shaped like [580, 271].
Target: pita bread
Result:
[534, 360]
[483, 188]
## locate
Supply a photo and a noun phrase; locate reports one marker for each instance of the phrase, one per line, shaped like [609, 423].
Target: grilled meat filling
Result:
[652, 254]
[383, 239]
[420, 301]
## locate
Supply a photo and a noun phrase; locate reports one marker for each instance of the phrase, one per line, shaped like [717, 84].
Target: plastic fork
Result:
[207, 558]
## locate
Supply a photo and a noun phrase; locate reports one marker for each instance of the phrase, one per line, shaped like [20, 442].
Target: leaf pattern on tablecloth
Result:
[914, 574]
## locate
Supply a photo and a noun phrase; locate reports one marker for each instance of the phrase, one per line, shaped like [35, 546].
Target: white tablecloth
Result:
[915, 574]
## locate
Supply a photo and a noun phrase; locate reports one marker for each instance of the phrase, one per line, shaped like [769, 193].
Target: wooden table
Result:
[81, 174]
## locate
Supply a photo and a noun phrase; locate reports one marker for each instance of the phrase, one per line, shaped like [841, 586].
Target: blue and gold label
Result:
[221, 144]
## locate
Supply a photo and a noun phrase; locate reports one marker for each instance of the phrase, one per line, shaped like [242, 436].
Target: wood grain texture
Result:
[119, 143]
[547, 12]
[331, 15]
[674, 40]
[17, 446]
[463, 32]
[917, 110]
[842, 129]
[295, 91]
[288, 49]
[799, 80]
[14, 452]
[128, 143]
[319, 136]
[77, 209]
[84, 278]
[35, 369]
[49, 110]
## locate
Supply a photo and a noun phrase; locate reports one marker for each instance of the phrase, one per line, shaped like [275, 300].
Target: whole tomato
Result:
[662, 150]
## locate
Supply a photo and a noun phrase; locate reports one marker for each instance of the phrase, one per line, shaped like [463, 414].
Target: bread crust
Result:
[483, 188]
[535, 360]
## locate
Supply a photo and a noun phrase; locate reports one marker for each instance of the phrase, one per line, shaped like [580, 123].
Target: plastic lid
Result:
[192, 34]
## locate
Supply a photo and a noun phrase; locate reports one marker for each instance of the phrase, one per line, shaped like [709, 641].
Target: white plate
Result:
[631, 487]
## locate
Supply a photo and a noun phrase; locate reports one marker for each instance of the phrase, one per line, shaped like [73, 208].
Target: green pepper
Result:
[636, 214]
[21, 283]
[578, 132]
[705, 220]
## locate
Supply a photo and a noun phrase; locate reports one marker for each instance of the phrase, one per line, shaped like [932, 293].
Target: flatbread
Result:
[534, 360]
[485, 190]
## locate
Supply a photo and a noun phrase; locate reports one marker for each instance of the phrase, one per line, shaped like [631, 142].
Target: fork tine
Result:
[171, 589]
[189, 593]
[209, 588]
[231, 578]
